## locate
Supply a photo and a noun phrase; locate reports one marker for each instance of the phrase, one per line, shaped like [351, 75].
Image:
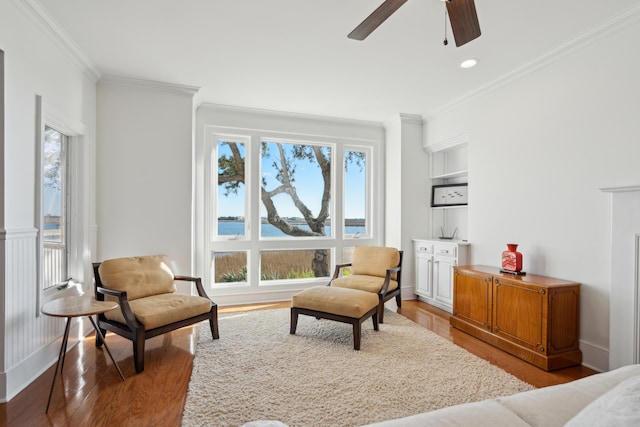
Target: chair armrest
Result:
[198, 283]
[123, 301]
[387, 279]
[336, 273]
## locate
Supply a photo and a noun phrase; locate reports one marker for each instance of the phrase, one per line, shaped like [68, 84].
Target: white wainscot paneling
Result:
[31, 339]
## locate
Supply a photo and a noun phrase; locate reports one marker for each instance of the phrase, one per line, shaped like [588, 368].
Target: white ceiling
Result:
[294, 55]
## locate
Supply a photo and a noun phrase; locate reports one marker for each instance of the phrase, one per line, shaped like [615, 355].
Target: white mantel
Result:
[624, 297]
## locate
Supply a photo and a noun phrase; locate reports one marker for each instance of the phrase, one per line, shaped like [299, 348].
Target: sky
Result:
[308, 182]
[51, 201]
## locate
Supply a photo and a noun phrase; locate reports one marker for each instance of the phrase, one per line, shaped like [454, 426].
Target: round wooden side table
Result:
[77, 306]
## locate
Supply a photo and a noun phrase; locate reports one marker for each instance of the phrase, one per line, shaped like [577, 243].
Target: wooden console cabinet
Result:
[535, 318]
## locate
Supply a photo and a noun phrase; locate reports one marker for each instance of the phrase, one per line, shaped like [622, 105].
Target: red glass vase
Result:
[511, 258]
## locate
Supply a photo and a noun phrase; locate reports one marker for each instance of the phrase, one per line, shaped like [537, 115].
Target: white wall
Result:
[540, 148]
[144, 170]
[35, 63]
[407, 192]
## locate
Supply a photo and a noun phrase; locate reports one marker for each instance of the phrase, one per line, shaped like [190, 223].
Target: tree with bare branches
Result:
[285, 161]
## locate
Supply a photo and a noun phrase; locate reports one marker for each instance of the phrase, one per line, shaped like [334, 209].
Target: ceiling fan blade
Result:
[374, 20]
[464, 21]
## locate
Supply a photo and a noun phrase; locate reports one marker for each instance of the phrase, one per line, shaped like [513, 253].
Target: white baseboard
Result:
[408, 293]
[18, 377]
[594, 357]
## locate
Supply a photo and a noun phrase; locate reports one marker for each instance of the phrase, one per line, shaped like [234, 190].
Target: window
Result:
[54, 208]
[356, 192]
[230, 267]
[279, 265]
[230, 162]
[295, 190]
[63, 183]
[283, 209]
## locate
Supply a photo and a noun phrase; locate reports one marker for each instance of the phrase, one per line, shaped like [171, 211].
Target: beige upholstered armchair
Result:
[149, 305]
[376, 269]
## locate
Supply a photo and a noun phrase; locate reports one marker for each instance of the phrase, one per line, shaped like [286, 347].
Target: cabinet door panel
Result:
[472, 299]
[443, 279]
[564, 312]
[423, 276]
[519, 314]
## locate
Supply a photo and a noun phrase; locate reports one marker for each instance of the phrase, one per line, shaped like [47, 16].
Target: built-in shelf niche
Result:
[449, 165]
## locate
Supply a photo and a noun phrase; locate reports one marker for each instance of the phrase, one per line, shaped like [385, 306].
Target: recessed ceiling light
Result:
[469, 63]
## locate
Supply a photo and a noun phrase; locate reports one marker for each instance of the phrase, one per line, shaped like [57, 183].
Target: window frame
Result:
[65, 141]
[332, 207]
[369, 183]
[253, 244]
[78, 173]
[211, 197]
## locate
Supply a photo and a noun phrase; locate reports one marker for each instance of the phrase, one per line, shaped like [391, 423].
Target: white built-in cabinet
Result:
[434, 262]
[435, 257]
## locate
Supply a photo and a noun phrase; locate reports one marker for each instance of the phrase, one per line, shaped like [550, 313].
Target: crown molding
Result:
[287, 114]
[411, 118]
[449, 143]
[610, 26]
[121, 81]
[34, 11]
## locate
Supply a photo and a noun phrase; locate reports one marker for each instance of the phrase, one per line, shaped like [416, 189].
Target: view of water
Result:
[231, 228]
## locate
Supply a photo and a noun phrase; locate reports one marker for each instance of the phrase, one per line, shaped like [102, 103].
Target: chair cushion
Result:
[363, 283]
[140, 277]
[159, 310]
[374, 260]
[340, 301]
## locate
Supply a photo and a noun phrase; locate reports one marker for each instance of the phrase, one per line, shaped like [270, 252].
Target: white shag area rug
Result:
[258, 371]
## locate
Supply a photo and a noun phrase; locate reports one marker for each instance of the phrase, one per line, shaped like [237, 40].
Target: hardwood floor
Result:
[90, 392]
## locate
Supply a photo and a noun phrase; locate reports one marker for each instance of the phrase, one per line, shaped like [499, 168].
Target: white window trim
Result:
[368, 150]
[47, 115]
[336, 243]
[211, 203]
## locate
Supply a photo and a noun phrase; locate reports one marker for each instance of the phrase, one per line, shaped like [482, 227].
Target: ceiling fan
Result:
[462, 15]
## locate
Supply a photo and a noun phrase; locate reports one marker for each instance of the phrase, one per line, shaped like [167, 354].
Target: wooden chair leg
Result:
[213, 323]
[138, 351]
[398, 300]
[98, 340]
[357, 332]
[374, 317]
[381, 311]
[294, 321]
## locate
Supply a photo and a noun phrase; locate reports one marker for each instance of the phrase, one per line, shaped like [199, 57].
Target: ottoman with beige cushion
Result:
[339, 304]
